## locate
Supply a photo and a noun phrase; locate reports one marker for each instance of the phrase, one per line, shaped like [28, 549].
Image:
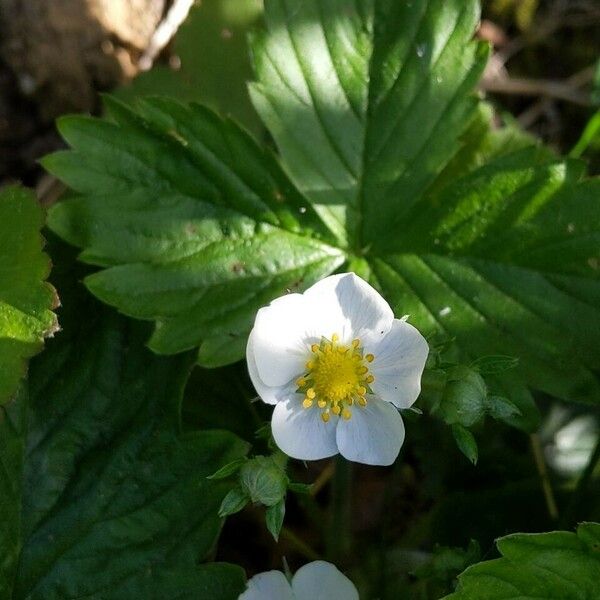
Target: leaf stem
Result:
[302, 547]
[339, 539]
[540, 464]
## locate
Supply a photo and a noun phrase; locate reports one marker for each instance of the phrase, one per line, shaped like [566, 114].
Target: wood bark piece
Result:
[64, 51]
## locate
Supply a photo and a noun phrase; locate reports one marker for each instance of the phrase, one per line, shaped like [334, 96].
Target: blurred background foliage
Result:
[419, 523]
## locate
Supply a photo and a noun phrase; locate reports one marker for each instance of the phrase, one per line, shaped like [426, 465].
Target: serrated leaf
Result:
[196, 225]
[26, 300]
[263, 480]
[105, 491]
[560, 564]
[504, 264]
[235, 500]
[466, 442]
[366, 101]
[274, 516]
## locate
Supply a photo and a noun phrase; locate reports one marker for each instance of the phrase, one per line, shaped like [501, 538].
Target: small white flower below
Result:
[318, 580]
[337, 365]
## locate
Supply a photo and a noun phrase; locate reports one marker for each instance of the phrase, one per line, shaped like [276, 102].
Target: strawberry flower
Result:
[337, 366]
[318, 580]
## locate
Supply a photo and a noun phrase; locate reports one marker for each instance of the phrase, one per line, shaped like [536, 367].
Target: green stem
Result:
[339, 537]
[540, 463]
[299, 545]
[581, 487]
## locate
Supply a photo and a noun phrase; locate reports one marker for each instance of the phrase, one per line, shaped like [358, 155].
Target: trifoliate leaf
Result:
[101, 494]
[371, 105]
[26, 300]
[557, 565]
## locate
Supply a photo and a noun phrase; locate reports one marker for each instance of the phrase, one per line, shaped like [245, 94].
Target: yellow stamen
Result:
[337, 378]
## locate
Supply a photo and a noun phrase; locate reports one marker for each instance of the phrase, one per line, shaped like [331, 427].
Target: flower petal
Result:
[279, 344]
[374, 434]
[271, 585]
[320, 580]
[399, 362]
[350, 307]
[301, 433]
[268, 394]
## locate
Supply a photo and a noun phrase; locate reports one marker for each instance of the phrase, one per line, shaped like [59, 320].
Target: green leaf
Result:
[501, 408]
[106, 493]
[235, 501]
[560, 564]
[274, 518]
[228, 469]
[263, 480]
[503, 260]
[196, 226]
[466, 442]
[464, 399]
[366, 101]
[371, 105]
[26, 300]
[214, 581]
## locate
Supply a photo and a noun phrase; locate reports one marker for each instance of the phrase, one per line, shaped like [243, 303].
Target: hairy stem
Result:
[339, 538]
[540, 465]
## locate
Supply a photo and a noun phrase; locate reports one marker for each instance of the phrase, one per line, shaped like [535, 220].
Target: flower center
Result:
[337, 376]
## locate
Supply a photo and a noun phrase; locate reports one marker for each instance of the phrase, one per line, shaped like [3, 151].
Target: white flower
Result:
[337, 365]
[318, 580]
